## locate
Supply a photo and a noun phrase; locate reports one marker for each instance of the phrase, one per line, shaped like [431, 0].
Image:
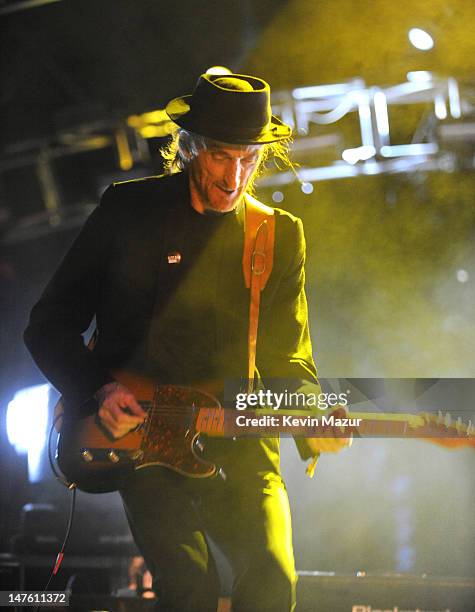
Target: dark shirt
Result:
[186, 343]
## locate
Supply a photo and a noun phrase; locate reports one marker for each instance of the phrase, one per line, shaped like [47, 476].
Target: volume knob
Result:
[87, 456]
[113, 456]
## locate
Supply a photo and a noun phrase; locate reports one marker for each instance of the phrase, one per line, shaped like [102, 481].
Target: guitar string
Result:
[148, 422]
[170, 411]
[163, 410]
[178, 412]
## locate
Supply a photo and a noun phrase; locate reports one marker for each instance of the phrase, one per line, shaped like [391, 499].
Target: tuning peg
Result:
[459, 424]
[447, 420]
[469, 427]
[222, 474]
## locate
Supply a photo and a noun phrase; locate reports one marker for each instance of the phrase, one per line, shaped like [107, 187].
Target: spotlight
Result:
[420, 39]
[27, 420]
[462, 276]
[363, 153]
[277, 196]
[419, 76]
[307, 188]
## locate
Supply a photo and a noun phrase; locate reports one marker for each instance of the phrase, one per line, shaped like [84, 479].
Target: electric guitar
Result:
[171, 435]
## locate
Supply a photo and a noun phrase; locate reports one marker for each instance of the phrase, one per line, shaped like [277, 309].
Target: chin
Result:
[221, 206]
[214, 209]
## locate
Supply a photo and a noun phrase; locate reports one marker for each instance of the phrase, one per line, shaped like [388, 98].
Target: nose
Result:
[232, 175]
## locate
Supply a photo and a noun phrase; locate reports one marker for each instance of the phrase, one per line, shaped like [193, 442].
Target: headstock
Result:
[443, 430]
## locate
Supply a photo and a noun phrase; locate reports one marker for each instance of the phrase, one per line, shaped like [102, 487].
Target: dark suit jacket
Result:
[117, 271]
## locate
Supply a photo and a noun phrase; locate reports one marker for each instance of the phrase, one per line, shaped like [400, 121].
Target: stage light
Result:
[420, 39]
[422, 148]
[307, 188]
[440, 108]
[27, 419]
[454, 99]
[352, 156]
[419, 76]
[382, 119]
[219, 70]
[277, 196]
[462, 276]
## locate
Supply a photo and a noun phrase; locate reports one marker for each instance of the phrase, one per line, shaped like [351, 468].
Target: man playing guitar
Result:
[159, 264]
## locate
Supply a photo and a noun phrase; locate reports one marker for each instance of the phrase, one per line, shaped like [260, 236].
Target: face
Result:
[220, 174]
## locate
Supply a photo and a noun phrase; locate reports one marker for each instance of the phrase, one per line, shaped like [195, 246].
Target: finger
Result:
[110, 425]
[122, 397]
[330, 445]
[117, 415]
[117, 430]
[135, 407]
[117, 407]
[125, 399]
[344, 443]
[333, 445]
[110, 411]
[321, 445]
[340, 412]
[105, 415]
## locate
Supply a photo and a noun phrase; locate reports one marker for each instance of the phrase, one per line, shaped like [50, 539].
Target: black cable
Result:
[72, 487]
[59, 477]
[60, 555]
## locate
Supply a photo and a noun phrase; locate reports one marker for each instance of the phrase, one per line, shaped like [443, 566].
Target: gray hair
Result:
[181, 149]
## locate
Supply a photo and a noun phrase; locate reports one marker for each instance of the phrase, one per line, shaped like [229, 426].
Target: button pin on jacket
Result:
[174, 257]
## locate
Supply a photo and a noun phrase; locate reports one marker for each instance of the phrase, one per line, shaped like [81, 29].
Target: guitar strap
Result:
[257, 262]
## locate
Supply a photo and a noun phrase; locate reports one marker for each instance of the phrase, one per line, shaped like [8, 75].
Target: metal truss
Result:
[340, 130]
[308, 109]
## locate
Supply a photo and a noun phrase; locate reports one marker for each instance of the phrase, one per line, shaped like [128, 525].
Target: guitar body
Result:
[95, 462]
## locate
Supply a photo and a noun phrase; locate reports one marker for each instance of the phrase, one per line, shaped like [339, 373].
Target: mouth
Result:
[227, 192]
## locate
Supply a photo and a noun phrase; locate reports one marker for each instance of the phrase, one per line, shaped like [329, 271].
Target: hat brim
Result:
[181, 113]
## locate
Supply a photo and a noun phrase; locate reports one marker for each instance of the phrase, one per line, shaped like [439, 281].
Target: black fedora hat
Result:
[232, 108]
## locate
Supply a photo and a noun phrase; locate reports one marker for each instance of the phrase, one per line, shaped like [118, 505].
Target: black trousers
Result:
[169, 515]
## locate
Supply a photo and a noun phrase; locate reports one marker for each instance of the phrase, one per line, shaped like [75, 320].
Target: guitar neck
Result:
[217, 422]
[387, 424]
